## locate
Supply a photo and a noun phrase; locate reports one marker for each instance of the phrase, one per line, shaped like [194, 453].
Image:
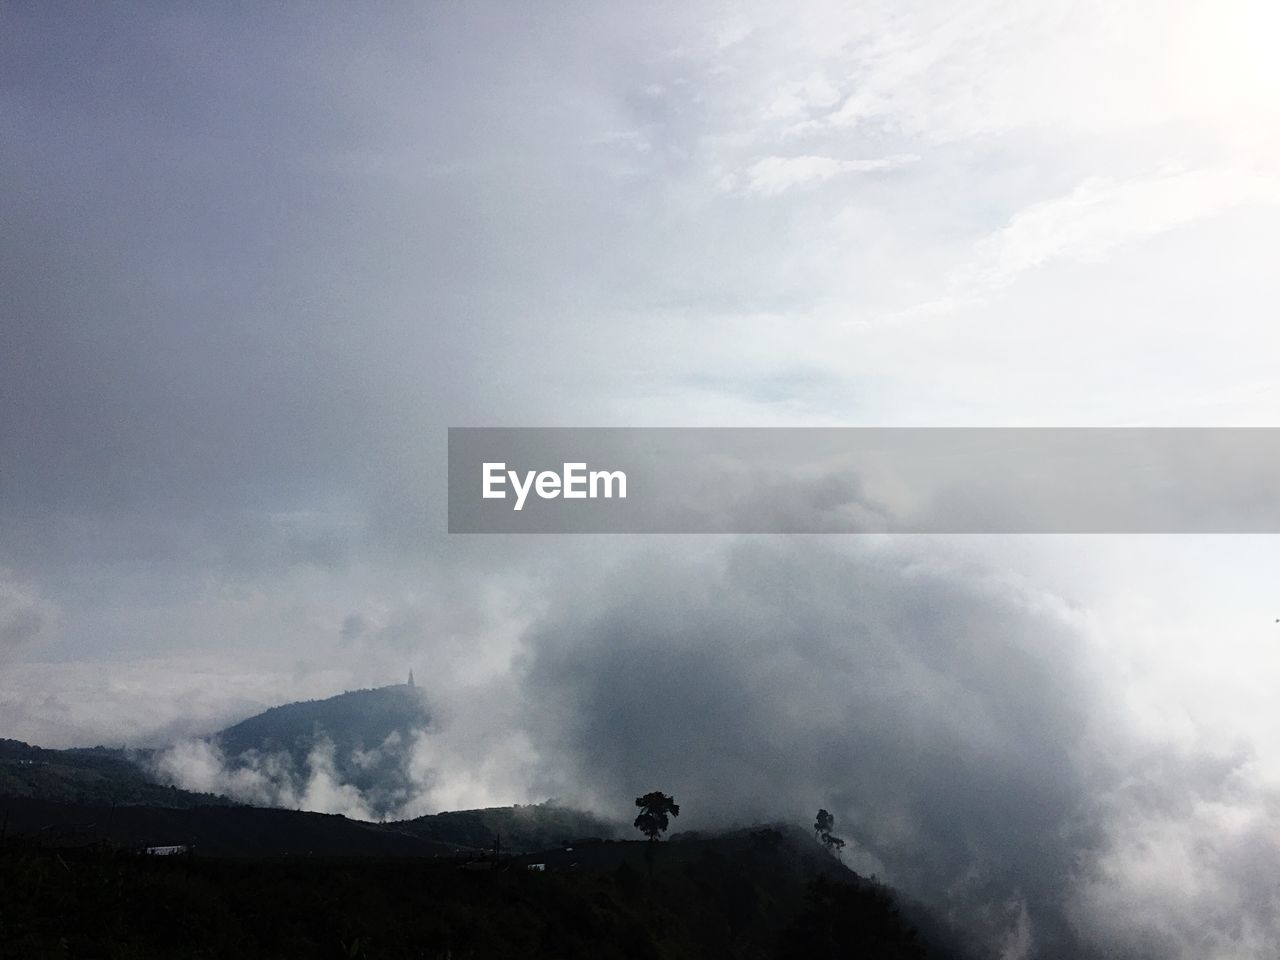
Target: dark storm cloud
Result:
[938, 711]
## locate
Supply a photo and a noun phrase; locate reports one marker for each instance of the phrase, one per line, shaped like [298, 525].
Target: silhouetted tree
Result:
[822, 826]
[654, 808]
[653, 820]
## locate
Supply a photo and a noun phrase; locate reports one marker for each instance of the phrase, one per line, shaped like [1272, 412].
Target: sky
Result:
[256, 261]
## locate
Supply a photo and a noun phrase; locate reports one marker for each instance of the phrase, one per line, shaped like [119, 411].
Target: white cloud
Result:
[771, 176]
[1102, 214]
[1211, 853]
[264, 779]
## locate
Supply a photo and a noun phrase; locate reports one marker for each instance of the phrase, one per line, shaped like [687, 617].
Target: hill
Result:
[517, 829]
[366, 735]
[363, 737]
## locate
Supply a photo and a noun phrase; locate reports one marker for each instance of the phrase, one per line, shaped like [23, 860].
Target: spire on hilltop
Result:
[411, 678]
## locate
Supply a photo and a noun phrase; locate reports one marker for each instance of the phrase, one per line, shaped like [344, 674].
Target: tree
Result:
[822, 826]
[654, 808]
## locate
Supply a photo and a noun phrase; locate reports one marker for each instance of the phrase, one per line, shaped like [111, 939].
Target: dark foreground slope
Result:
[755, 894]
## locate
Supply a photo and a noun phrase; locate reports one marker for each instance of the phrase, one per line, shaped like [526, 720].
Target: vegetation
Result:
[220, 831]
[654, 809]
[822, 827]
[846, 920]
[750, 895]
[519, 829]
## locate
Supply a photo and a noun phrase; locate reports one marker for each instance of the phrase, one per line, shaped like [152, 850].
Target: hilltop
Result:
[365, 736]
[354, 720]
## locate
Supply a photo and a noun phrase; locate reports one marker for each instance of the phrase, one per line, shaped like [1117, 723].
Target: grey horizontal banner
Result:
[864, 480]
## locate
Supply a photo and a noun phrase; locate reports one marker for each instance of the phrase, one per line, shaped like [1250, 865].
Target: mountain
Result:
[355, 720]
[362, 738]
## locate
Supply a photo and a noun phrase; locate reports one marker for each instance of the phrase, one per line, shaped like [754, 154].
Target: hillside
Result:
[371, 733]
[355, 720]
[276, 882]
[365, 737]
[751, 895]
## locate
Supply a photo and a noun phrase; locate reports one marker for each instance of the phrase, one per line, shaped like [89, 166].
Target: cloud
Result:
[960, 723]
[935, 714]
[1189, 867]
[473, 754]
[25, 615]
[245, 294]
[771, 176]
[146, 702]
[1100, 215]
[268, 779]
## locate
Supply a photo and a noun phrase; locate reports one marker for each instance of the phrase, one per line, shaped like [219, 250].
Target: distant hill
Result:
[97, 775]
[371, 733]
[363, 737]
